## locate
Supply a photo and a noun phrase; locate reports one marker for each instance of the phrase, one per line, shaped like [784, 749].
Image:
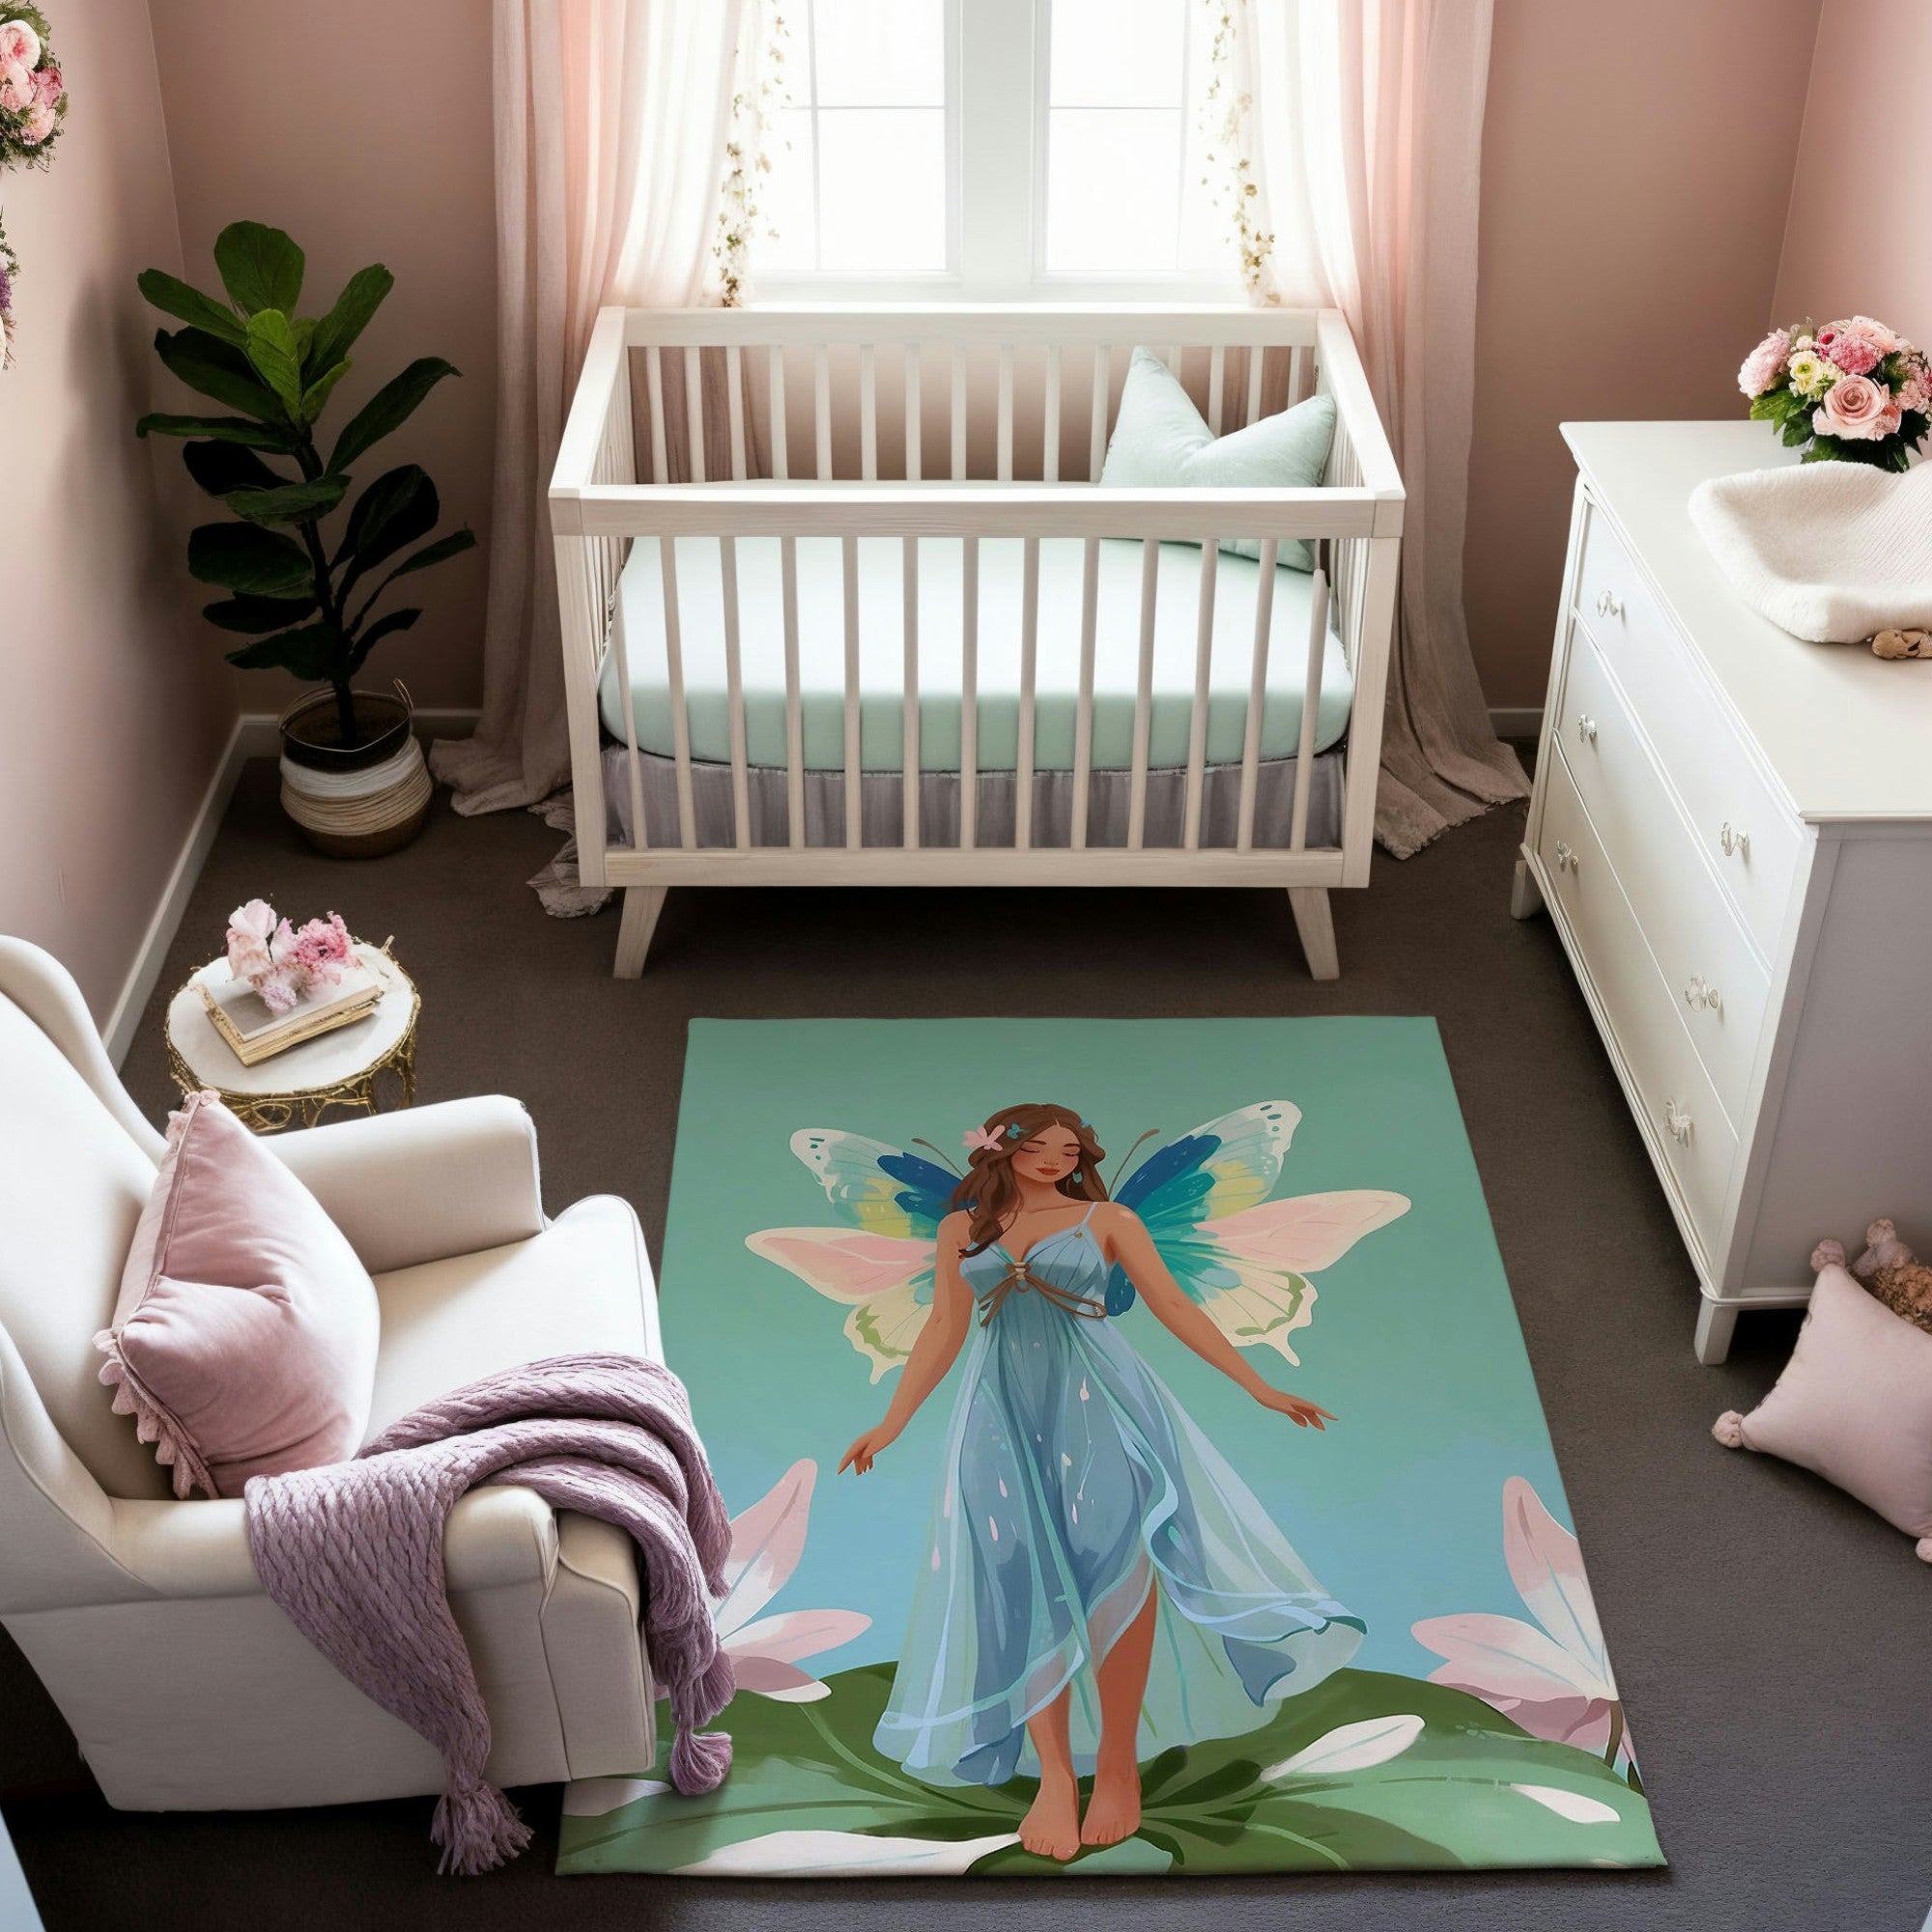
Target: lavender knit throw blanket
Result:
[352, 1553]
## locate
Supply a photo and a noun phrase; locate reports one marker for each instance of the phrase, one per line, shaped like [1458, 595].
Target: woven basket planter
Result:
[363, 801]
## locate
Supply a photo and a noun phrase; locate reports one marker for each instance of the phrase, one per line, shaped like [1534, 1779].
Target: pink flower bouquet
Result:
[283, 964]
[33, 95]
[1852, 392]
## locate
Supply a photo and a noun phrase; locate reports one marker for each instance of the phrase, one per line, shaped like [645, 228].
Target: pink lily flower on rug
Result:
[1552, 1676]
[766, 1542]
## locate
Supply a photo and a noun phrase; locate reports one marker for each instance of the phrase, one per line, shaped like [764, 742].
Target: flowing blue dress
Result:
[1073, 1483]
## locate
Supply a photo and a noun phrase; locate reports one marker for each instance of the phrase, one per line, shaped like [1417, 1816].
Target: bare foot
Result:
[1051, 1827]
[1114, 1811]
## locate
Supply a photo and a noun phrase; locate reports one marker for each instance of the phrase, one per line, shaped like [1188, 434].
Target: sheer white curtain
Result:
[613, 120]
[1364, 132]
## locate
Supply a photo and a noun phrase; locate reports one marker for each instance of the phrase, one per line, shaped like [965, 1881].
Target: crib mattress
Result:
[639, 615]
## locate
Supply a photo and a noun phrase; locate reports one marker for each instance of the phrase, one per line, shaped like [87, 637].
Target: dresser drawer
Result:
[1694, 937]
[1687, 1129]
[1752, 837]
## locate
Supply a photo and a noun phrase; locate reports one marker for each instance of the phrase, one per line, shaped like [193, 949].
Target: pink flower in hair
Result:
[977, 1137]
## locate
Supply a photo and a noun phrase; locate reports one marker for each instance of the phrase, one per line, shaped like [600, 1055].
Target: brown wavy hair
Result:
[989, 1193]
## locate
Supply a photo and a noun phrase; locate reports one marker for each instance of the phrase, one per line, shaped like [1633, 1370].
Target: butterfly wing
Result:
[884, 1280]
[875, 1185]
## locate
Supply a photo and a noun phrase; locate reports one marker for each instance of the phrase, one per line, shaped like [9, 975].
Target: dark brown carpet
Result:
[1772, 1638]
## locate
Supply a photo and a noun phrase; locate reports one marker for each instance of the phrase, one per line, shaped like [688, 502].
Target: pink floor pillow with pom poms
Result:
[1854, 1402]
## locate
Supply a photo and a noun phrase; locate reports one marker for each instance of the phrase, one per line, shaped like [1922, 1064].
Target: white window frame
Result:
[996, 239]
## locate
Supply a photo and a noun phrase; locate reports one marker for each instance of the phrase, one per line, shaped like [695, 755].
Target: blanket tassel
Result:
[477, 1828]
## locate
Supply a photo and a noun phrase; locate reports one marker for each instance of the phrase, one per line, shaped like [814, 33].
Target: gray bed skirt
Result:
[879, 795]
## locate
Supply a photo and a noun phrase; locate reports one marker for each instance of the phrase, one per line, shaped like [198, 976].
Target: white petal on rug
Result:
[1350, 1747]
[593, 1797]
[844, 1855]
[1570, 1804]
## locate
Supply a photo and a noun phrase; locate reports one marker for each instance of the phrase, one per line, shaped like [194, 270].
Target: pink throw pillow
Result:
[244, 1341]
[1855, 1404]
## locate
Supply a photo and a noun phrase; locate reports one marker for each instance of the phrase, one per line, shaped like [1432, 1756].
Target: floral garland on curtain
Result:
[10, 268]
[33, 94]
[763, 90]
[1226, 120]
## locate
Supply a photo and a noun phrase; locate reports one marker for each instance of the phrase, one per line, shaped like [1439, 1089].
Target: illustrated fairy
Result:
[1097, 1583]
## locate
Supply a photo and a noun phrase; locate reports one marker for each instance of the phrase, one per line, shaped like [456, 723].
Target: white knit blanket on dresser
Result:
[1832, 551]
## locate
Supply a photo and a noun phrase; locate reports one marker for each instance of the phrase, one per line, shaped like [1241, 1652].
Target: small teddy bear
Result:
[1890, 1272]
[1903, 645]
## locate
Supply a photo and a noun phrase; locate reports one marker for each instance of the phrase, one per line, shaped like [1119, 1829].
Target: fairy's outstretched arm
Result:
[933, 1355]
[1135, 1249]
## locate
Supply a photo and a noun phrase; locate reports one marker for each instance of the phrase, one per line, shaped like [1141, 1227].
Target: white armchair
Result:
[185, 1686]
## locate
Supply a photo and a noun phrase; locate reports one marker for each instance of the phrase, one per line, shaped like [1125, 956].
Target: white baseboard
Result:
[254, 736]
[1516, 721]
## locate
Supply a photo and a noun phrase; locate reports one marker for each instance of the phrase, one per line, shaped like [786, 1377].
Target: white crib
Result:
[891, 632]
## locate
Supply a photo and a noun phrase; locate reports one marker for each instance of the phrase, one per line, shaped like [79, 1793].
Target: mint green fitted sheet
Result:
[639, 615]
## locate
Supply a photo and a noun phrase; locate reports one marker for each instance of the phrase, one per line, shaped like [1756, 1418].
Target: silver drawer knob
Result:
[1678, 1121]
[1565, 857]
[1587, 728]
[1702, 995]
[1736, 843]
[1609, 604]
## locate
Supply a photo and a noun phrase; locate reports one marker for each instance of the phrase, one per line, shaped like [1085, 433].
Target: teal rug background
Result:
[1415, 1345]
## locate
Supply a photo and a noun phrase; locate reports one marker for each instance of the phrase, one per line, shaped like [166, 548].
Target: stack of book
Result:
[243, 1020]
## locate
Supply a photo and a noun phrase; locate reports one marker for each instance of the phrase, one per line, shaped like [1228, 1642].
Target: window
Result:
[993, 148]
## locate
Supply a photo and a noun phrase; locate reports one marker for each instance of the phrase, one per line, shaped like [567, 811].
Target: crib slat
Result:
[735, 693]
[1297, 375]
[1049, 455]
[868, 412]
[779, 472]
[1251, 742]
[794, 710]
[1257, 354]
[909, 754]
[694, 412]
[632, 764]
[1096, 434]
[1137, 785]
[913, 424]
[821, 409]
[1006, 449]
[959, 413]
[680, 721]
[853, 828]
[1083, 721]
[1311, 699]
[1171, 355]
[1217, 358]
[1029, 667]
[734, 404]
[1196, 724]
[969, 691]
[654, 389]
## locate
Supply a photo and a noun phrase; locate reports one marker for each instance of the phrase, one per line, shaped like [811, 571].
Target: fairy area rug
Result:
[1134, 1463]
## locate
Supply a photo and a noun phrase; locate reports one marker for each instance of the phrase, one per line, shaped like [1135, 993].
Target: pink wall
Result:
[1637, 162]
[1859, 240]
[364, 128]
[113, 721]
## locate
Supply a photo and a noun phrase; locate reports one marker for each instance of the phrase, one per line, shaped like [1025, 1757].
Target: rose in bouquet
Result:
[33, 95]
[282, 962]
[1852, 391]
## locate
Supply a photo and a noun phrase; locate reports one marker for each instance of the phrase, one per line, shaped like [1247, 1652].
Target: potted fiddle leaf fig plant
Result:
[302, 585]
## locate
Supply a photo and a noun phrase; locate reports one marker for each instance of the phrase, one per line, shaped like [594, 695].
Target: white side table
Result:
[297, 1087]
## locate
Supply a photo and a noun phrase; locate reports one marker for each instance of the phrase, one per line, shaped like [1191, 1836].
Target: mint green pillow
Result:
[1161, 442]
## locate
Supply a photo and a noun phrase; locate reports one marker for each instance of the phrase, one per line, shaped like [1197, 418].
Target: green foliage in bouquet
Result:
[307, 599]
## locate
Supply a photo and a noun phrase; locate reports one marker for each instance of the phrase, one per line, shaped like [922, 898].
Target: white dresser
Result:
[1732, 832]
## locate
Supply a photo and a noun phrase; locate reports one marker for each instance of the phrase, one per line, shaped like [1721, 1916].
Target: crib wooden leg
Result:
[639, 920]
[1312, 921]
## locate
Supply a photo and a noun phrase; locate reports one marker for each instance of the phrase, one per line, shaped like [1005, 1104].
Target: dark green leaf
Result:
[313, 654]
[439, 551]
[260, 266]
[273, 350]
[221, 467]
[394, 620]
[316, 395]
[338, 329]
[245, 557]
[290, 502]
[258, 613]
[187, 303]
[1797, 430]
[389, 408]
[396, 509]
[219, 428]
[216, 369]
